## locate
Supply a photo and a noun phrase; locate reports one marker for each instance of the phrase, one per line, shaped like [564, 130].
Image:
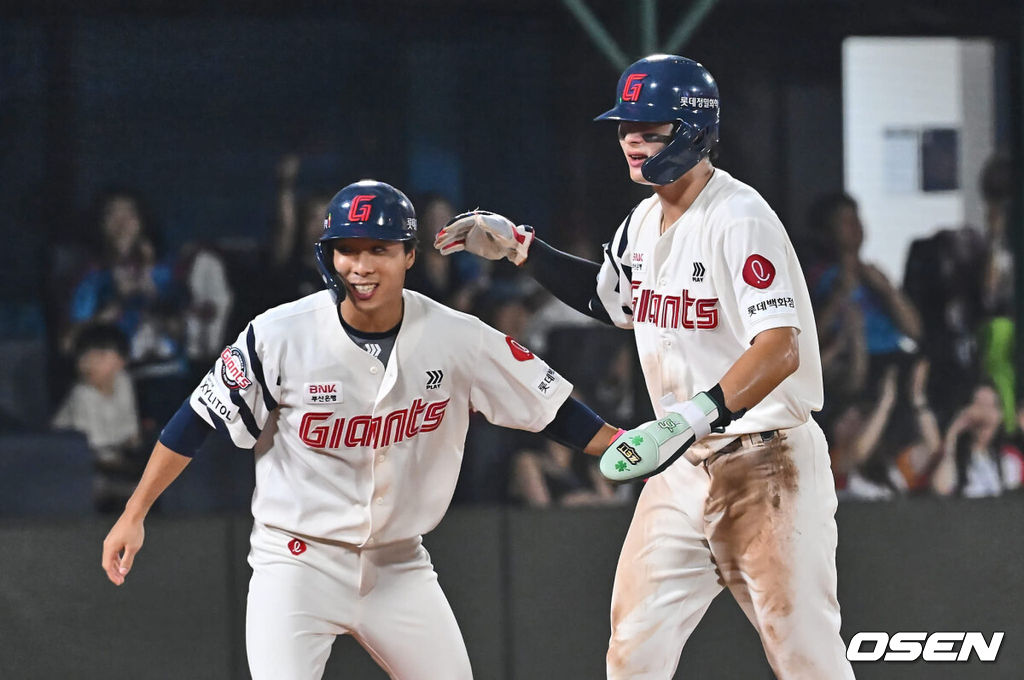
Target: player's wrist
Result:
[724, 416]
[705, 412]
[135, 510]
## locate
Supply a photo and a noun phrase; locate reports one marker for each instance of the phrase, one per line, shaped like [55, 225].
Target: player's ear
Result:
[410, 258]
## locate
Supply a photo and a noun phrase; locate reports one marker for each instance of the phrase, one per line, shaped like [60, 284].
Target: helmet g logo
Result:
[359, 211]
[631, 90]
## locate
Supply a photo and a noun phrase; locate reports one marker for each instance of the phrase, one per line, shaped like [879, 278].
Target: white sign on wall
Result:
[917, 128]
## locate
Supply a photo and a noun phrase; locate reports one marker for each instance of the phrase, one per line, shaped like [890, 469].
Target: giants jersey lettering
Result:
[350, 450]
[697, 295]
[324, 430]
[673, 311]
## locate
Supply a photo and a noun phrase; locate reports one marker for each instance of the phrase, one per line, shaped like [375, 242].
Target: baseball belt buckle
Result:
[754, 439]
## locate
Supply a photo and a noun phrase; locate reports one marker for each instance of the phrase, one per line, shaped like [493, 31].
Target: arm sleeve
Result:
[238, 394]
[185, 432]
[574, 425]
[512, 387]
[571, 279]
[759, 259]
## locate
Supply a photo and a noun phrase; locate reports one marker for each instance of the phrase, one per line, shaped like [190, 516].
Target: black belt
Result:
[755, 438]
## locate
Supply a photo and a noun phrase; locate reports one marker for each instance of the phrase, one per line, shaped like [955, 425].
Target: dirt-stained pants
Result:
[758, 520]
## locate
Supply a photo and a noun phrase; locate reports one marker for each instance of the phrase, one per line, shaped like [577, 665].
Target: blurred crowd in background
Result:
[919, 374]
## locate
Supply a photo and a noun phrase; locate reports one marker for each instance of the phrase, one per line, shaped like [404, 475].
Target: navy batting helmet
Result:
[366, 209]
[664, 88]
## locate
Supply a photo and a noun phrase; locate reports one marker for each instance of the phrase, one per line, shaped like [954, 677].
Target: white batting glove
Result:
[485, 234]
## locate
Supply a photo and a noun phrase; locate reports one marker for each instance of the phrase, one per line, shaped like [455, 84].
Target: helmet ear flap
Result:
[324, 262]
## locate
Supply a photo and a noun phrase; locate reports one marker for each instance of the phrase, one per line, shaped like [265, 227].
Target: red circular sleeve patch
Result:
[296, 547]
[518, 351]
[758, 271]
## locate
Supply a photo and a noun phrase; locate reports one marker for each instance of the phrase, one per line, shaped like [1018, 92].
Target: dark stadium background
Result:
[193, 103]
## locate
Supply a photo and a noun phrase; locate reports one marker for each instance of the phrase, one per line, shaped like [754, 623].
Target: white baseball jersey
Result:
[757, 519]
[697, 295]
[350, 450]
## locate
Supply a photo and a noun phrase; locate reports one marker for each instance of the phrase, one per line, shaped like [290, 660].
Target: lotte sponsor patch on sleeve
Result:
[758, 271]
[518, 351]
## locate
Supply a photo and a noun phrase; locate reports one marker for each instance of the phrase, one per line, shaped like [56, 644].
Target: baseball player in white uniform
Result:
[705, 275]
[356, 401]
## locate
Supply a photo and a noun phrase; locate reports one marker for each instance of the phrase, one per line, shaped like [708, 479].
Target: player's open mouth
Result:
[363, 291]
[635, 160]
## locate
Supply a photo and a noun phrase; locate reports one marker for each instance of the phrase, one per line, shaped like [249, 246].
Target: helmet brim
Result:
[361, 230]
[635, 113]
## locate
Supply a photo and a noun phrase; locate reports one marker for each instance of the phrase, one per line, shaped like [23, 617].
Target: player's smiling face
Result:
[640, 141]
[374, 275]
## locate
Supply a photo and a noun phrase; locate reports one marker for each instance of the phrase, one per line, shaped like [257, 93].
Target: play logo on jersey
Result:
[296, 547]
[434, 379]
[322, 393]
[518, 351]
[232, 369]
[758, 271]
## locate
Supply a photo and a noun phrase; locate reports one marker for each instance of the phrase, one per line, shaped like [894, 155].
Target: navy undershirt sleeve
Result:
[574, 425]
[185, 432]
[571, 279]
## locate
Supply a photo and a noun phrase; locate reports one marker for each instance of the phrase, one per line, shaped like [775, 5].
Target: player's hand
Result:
[485, 234]
[650, 448]
[120, 546]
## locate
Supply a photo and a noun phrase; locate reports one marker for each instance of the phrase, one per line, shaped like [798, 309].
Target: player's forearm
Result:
[571, 279]
[163, 467]
[773, 356]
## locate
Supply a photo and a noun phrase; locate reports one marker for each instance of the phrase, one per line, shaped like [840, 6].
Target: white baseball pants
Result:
[303, 595]
[759, 521]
